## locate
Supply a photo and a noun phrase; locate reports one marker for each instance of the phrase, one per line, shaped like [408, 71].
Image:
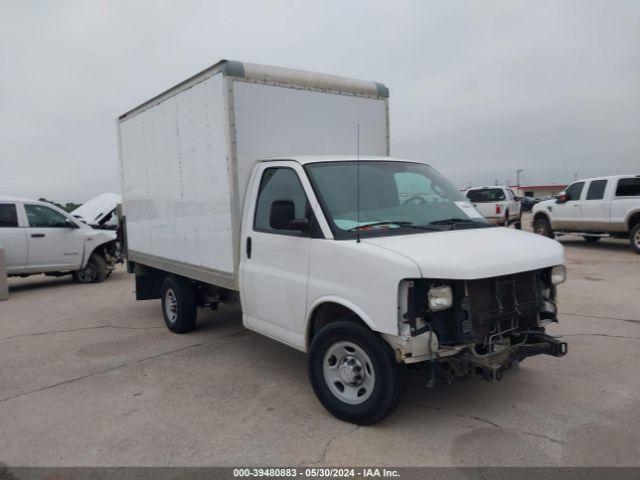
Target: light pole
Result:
[518, 172]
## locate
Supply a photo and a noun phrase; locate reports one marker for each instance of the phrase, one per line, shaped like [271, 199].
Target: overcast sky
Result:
[477, 88]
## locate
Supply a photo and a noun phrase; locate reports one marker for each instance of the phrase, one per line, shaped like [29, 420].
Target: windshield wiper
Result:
[401, 223]
[459, 221]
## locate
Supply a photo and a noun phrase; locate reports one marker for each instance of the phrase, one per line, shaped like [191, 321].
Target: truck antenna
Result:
[358, 183]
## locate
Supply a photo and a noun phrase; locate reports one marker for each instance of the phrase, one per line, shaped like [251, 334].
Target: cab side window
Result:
[8, 215]
[596, 190]
[281, 199]
[40, 216]
[574, 191]
[628, 187]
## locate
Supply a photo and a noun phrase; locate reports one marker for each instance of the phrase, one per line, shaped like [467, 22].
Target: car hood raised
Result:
[474, 253]
[96, 210]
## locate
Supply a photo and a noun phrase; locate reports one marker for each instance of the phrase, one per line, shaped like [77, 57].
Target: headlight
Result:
[440, 298]
[558, 274]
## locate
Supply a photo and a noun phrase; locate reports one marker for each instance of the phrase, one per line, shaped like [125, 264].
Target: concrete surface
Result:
[89, 376]
[4, 286]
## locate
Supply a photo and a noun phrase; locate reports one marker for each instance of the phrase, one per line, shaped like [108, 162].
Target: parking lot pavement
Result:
[89, 376]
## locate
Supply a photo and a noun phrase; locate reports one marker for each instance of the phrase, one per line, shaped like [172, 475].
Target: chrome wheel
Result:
[348, 372]
[171, 305]
[636, 238]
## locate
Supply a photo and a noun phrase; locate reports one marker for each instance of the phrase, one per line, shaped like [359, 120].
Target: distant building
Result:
[538, 191]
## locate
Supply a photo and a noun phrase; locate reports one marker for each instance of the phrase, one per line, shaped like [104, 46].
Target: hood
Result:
[544, 205]
[474, 253]
[96, 211]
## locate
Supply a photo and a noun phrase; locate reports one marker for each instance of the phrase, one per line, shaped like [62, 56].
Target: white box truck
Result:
[241, 185]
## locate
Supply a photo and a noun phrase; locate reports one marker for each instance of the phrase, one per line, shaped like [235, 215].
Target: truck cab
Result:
[41, 238]
[593, 208]
[369, 279]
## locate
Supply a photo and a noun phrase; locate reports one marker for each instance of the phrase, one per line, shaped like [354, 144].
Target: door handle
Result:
[248, 247]
[37, 235]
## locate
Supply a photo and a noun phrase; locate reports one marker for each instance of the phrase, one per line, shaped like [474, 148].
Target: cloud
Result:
[479, 89]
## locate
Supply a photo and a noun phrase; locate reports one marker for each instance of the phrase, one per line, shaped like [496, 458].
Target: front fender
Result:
[364, 316]
[96, 240]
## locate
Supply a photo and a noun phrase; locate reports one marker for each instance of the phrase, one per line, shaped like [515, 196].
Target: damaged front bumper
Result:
[491, 367]
[490, 326]
[464, 360]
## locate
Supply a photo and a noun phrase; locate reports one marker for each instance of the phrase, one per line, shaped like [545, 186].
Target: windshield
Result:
[480, 195]
[394, 197]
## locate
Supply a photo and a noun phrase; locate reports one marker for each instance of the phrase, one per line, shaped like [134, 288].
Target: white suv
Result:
[498, 204]
[40, 238]
[594, 208]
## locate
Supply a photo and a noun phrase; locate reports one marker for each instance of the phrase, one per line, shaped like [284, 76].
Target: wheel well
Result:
[327, 313]
[103, 248]
[539, 216]
[633, 220]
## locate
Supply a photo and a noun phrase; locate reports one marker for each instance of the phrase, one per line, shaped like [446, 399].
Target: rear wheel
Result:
[590, 238]
[95, 271]
[634, 238]
[179, 306]
[354, 373]
[542, 227]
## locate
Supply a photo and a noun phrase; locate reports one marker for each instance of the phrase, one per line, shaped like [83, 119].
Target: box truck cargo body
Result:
[274, 188]
[186, 155]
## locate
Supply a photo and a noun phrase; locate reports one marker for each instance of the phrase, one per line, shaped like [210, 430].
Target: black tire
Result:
[95, 271]
[634, 238]
[591, 239]
[506, 218]
[389, 376]
[518, 223]
[179, 307]
[543, 227]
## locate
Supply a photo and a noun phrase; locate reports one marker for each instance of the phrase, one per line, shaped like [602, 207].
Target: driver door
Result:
[53, 243]
[274, 265]
[566, 216]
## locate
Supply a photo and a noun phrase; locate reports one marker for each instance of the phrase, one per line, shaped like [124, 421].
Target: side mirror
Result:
[562, 197]
[66, 224]
[282, 213]
[282, 216]
[302, 225]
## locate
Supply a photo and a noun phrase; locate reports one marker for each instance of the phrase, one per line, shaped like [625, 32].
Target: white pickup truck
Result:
[593, 208]
[498, 204]
[41, 238]
[366, 262]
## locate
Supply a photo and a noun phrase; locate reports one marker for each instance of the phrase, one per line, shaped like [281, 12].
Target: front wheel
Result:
[95, 271]
[354, 373]
[543, 227]
[179, 306]
[634, 238]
